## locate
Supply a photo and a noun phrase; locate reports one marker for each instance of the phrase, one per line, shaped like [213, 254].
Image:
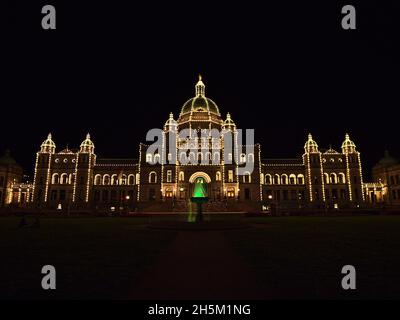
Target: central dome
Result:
[200, 103]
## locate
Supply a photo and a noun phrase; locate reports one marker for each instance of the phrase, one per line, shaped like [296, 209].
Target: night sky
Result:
[283, 68]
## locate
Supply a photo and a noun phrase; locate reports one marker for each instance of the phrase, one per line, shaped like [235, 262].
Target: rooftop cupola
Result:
[48, 145]
[310, 146]
[87, 146]
[200, 88]
[348, 146]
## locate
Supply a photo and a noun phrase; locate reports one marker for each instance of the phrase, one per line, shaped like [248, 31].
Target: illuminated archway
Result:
[199, 174]
[199, 182]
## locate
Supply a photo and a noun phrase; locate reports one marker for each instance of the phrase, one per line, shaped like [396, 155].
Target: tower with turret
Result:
[313, 173]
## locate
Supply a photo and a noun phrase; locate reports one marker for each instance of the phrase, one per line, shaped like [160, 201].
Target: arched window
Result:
[153, 177]
[300, 179]
[64, 178]
[169, 175]
[208, 157]
[262, 178]
[183, 158]
[342, 178]
[137, 178]
[218, 176]
[123, 180]
[106, 180]
[284, 179]
[200, 157]
[292, 179]
[97, 180]
[131, 180]
[268, 179]
[250, 157]
[247, 177]
[216, 158]
[181, 176]
[192, 158]
[54, 180]
[157, 158]
[277, 179]
[333, 177]
[149, 158]
[326, 178]
[114, 180]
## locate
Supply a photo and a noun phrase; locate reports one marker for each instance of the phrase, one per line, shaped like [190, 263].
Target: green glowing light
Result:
[200, 190]
[191, 216]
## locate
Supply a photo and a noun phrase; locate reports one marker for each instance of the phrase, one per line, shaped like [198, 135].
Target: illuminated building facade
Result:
[386, 189]
[163, 181]
[10, 174]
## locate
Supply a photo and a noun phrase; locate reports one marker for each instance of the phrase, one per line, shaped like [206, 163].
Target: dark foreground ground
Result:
[120, 258]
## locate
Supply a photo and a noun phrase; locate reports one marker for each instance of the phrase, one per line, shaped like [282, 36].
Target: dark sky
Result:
[282, 68]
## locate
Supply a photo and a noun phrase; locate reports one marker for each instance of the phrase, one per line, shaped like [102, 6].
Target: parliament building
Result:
[76, 179]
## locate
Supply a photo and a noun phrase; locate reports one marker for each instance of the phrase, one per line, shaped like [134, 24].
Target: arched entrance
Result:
[199, 185]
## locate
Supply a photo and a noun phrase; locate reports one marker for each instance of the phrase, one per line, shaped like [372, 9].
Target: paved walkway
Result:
[199, 265]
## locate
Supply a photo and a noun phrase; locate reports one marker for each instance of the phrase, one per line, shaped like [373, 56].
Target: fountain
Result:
[199, 197]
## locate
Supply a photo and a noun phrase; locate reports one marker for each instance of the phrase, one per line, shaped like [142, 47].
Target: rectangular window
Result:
[247, 194]
[230, 176]
[62, 195]
[169, 175]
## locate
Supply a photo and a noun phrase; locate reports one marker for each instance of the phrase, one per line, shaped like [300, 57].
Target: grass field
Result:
[302, 257]
[293, 257]
[95, 258]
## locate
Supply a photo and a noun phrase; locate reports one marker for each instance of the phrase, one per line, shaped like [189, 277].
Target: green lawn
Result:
[94, 258]
[302, 257]
[293, 257]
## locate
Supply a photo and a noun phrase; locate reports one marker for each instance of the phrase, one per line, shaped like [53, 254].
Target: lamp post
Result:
[127, 200]
[270, 203]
